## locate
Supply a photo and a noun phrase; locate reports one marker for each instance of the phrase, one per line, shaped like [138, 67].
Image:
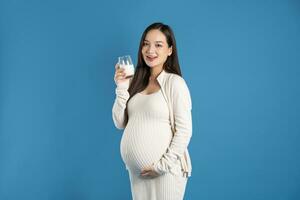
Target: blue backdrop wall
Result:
[240, 59]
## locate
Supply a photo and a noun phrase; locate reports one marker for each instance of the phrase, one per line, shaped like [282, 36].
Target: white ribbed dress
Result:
[145, 139]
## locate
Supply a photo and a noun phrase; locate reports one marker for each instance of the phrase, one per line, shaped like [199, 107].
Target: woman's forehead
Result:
[155, 36]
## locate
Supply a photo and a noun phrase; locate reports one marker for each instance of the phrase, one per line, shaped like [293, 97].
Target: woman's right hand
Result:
[120, 76]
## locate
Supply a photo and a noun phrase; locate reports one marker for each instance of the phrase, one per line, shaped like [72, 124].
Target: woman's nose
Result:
[151, 49]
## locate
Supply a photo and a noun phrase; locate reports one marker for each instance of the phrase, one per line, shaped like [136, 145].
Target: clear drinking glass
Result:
[125, 62]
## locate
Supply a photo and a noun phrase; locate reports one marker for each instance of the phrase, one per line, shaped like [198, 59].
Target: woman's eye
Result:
[145, 44]
[158, 45]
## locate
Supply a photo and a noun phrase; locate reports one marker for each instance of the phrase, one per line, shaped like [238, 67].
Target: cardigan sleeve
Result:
[182, 105]
[118, 109]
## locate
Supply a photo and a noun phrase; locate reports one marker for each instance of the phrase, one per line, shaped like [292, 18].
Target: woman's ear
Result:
[170, 50]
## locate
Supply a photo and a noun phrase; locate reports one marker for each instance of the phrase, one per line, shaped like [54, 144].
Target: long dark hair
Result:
[142, 73]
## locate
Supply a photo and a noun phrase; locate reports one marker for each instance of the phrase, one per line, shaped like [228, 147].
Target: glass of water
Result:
[125, 62]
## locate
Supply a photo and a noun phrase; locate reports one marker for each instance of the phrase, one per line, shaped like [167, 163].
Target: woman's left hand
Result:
[149, 172]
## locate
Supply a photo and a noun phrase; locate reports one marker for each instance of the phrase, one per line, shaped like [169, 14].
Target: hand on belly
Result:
[149, 172]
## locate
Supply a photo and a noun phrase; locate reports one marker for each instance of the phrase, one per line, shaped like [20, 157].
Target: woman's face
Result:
[155, 49]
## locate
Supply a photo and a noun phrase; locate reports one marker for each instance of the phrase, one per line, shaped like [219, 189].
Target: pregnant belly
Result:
[142, 145]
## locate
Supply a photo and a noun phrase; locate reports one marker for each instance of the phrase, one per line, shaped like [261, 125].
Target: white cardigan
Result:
[176, 93]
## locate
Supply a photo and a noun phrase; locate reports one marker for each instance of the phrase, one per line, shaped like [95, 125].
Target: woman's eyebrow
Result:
[155, 41]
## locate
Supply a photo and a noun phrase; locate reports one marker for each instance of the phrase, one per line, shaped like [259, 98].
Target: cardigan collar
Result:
[161, 77]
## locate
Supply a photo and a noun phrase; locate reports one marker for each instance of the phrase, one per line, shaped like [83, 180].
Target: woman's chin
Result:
[151, 65]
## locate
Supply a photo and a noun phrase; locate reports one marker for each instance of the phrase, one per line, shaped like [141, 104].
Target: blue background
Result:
[240, 59]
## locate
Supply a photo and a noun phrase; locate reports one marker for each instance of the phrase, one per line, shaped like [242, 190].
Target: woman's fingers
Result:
[149, 174]
[145, 171]
[146, 174]
[120, 74]
[120, 71]
[120, 77]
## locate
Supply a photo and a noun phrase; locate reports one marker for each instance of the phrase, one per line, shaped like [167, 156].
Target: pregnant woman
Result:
[154, 109]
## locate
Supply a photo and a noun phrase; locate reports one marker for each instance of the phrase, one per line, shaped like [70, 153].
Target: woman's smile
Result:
[151, 58]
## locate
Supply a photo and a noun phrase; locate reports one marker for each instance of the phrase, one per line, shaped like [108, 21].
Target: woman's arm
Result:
[118, 110]
[182, 106]
[122, 96]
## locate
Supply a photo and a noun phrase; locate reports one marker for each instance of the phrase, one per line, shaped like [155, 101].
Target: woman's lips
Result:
[151, 58]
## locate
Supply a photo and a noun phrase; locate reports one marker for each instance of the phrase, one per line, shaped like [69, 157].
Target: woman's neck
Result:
[155, 72]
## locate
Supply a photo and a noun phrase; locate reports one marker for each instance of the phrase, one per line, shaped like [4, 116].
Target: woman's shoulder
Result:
[179, 88]
[176, 81]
